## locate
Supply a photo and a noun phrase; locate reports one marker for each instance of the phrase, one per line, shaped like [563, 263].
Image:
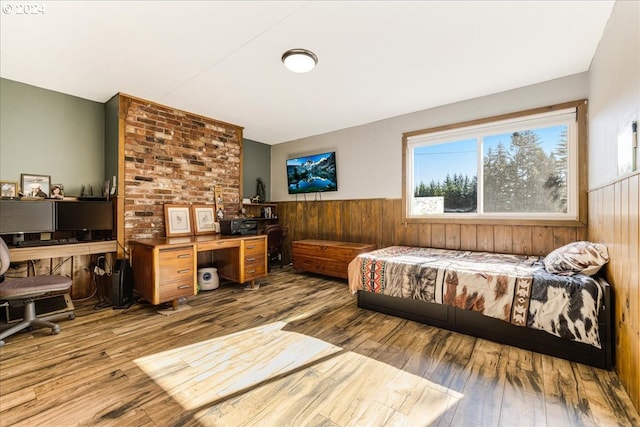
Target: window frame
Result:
[577, 157]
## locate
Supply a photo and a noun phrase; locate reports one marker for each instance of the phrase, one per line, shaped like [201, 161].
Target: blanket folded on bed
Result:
[513, 288]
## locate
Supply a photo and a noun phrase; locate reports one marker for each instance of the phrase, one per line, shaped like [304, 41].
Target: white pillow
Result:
[577, 257]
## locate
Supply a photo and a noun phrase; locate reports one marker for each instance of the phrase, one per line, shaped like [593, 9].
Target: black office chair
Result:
[274, 244]
[23, 290]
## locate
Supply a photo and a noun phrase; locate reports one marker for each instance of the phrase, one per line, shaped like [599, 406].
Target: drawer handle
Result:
[184, 271]
[251, 259]
[251, 271]
[251, 247]
[184, 286]
[184, 256]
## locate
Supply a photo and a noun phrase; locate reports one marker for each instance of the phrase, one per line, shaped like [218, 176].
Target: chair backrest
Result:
[274, 235]
[4, 257]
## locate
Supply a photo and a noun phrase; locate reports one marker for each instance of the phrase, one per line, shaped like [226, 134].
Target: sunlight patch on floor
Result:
[210, 370]
[268, 376]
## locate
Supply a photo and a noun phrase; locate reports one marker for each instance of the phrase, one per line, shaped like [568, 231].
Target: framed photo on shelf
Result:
[217, 189]
[8, 189]
[35, 185]
[177, 220]
[57, 191]
[204, 218]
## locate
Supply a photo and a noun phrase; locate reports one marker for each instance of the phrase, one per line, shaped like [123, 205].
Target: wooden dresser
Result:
[326, 256]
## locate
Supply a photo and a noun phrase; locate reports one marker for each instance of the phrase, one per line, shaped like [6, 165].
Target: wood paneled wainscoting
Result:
[379, 221]
[614, 219]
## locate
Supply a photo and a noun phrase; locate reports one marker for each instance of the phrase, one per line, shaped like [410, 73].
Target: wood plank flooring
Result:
[296, 352]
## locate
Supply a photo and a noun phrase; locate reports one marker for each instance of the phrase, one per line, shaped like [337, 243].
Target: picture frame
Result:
[8, 189]
[57, 191]
[217, 192]
[35, 185]
[177, 220]
[204, 218]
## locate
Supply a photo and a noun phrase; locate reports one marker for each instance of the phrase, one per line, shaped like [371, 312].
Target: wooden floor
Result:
[296, 352]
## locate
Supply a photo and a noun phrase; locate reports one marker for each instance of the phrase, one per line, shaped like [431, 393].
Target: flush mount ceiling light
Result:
[299, 60]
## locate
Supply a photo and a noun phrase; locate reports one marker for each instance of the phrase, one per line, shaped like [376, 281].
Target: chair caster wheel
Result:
[72, 316]
[55, 330]
[29, 329]
[1, 343]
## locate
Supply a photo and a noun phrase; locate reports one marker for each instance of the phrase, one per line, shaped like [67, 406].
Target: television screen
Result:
[310, 174]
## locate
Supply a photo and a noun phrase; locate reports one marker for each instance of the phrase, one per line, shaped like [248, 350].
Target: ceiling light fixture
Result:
[299, 60]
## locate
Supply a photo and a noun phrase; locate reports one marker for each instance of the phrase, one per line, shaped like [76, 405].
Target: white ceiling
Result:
[221, 59]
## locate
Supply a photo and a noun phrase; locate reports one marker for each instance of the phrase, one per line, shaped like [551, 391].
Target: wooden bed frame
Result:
[478, 325]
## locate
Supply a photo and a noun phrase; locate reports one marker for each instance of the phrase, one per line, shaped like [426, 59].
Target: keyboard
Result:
[34, 243]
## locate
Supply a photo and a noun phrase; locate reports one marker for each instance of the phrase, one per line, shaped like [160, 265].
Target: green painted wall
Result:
[50, 133]
[111, 111]
[74, 140]
[256, 164]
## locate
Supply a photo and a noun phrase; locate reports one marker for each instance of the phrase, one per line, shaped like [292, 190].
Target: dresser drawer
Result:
[321, 266]
[326, 257]
[325, 251]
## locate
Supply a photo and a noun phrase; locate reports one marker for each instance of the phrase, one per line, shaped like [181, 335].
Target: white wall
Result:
[614, 88]
[369, 157]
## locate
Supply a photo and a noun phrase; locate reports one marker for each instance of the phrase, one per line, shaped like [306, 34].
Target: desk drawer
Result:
[177, 273]
[176, 289]
[250, 259]
[176, 265]
[254, 271]
[219, 244]
[255, 247]
[178, 256]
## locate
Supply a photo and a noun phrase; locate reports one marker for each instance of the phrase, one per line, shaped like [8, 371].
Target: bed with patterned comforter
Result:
[515, 289]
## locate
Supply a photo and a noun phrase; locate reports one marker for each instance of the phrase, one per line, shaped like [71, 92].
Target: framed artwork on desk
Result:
[204, 218]
[177, 220]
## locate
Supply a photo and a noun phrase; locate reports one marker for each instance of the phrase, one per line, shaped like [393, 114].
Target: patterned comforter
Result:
[513, 288]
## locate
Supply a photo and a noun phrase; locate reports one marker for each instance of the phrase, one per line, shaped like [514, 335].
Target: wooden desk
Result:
[61, 251]
[83, 256]
[165, 269]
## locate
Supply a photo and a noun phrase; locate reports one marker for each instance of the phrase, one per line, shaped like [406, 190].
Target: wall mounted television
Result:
[312, 174]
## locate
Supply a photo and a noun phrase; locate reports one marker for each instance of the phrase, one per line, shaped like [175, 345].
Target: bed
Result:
[556, 305]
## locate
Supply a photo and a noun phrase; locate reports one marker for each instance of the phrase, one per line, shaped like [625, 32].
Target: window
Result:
[521, 166]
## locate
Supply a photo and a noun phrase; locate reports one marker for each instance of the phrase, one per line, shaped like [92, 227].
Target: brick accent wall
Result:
[172, 156]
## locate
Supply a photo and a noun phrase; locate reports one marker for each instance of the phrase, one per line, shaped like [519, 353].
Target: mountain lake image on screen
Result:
[311, 174]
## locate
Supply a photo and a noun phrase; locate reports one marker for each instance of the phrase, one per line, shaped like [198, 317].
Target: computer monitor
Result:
[84, 215]
[26, 216]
